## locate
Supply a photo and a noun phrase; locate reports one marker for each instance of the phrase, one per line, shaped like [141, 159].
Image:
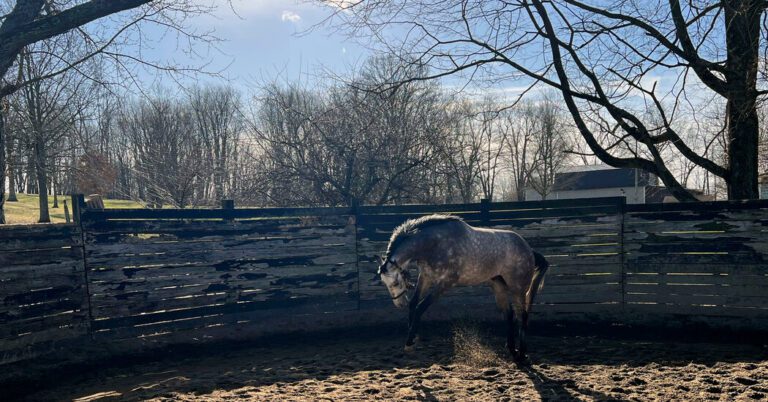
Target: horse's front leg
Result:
[413, 303]
[413, 328]
[416, 309]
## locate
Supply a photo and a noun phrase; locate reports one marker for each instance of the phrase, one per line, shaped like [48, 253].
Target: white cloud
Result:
[256, 7]
[342, 4]
[290, 16]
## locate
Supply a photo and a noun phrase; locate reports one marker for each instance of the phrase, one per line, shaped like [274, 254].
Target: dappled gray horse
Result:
[448, 253]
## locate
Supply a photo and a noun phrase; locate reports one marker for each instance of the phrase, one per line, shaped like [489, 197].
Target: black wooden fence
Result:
[150, 276]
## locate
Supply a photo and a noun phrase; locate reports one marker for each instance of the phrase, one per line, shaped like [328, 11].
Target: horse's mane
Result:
[414, 226]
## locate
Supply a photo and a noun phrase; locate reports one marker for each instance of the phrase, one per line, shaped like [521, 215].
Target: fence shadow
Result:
[550, 389]
[356, 360]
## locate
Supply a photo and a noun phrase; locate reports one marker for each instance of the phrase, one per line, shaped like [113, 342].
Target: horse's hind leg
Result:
[523, 329]
[501, 291]
[511, 330]
[521, 310]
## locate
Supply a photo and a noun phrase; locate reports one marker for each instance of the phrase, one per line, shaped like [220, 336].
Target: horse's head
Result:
[395, 277]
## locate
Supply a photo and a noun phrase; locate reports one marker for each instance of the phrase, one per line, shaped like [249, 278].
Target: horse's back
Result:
[480, 254]
[503, 240]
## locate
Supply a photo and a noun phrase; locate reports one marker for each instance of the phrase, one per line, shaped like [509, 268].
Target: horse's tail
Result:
[540, 269]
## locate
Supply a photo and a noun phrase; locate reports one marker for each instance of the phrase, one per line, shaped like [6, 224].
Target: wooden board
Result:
[147, 275]
[159, 276]
[43, 298]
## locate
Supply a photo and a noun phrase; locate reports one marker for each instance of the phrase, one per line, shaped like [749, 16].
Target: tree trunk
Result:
[42, 179]
[742, 37]
[218, 170]
[218, 181]
[55, 191]
[30, 182]
[3, 168]
[11, 179]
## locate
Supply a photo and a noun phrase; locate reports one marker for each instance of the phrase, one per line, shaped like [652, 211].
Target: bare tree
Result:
[3, 135]
[603, 58]
[492, 135]
[472, 148]
[461, 150]
[14, 154]
[763, 143]
[47, 109]
[520, 127]
[351, 144]
[408, 122]
[219, 124]
[28, 23]
[31, 21]
[281, 130]
[167, 153]
[550, 142]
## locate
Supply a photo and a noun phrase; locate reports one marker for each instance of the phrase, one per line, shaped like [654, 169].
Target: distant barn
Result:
[638, 186]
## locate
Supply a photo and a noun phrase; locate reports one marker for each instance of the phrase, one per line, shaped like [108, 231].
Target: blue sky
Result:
[265, 40]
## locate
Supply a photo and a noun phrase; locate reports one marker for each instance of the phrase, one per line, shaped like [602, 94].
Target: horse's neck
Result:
[409, 251]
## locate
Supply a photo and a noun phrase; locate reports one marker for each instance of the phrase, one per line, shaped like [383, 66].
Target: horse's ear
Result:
[382, 268]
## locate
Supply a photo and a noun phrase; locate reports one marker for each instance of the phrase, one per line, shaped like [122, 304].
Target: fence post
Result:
[622, 211]
[354, 207]
[78, 209]
[228, 205]
[354, 211]
[485, 212]
[66, 212]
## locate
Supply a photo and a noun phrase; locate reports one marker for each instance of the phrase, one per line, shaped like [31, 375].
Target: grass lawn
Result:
[26, 210]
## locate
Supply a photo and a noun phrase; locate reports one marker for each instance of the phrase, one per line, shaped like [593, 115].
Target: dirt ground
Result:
[460, 361]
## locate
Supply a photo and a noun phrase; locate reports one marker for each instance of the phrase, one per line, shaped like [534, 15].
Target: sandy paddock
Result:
[463, 361]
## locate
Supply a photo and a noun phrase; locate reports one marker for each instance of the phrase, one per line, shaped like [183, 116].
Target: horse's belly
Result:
[475, 277]
[471, 283]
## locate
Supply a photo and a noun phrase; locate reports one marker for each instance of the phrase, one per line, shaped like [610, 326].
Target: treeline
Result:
[413, 143]
[363, 140]
[359, 141]
[164, 149]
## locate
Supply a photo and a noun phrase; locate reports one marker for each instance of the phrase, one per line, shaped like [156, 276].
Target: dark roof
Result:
[605, 178]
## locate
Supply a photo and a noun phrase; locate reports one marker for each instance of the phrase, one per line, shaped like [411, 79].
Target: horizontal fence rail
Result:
[150, 276]
[707, 262]
[42, 288]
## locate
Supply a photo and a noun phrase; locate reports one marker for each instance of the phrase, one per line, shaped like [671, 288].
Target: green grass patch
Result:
[27, 209]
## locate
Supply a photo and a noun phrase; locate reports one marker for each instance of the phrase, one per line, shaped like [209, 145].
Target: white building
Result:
[638, 186]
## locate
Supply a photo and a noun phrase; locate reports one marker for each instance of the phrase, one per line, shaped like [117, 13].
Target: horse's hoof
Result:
[522, 360]
[408, 348]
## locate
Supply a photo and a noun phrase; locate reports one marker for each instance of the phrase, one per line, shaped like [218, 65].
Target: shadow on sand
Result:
[550, 389]
[372, 351]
